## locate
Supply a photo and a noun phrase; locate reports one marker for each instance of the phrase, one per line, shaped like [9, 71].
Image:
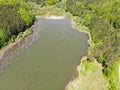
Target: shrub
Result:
[12, 39]
[50, 2]
[26, 14]
[3, 37]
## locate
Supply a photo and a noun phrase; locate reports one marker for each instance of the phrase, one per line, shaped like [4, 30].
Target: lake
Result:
[55, 49]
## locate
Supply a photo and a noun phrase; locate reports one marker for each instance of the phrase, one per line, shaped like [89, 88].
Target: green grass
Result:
[86, 67]
[92, 79]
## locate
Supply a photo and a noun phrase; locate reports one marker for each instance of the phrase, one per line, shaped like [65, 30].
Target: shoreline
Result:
[73, 25]
[9, 47]
[17, 40]
[51, 17]
[86, 32]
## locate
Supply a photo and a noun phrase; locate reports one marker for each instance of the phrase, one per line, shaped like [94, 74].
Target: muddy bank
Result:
[6, 52]
[9, 52]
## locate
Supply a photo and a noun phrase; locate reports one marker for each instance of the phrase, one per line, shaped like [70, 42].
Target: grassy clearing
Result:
[56, 9]
[90, 78]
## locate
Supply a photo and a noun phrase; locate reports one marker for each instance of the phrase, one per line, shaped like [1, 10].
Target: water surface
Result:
[50, 63]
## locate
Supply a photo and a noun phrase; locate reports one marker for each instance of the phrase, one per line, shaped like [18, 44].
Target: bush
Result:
[20, 35]
[15, 17]
[50, 2]
[100, 59]
[12, 39]
[26, 14]
[111, 72]
[3, 37]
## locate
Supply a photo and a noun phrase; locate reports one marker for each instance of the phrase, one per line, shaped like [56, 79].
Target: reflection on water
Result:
[55, 48]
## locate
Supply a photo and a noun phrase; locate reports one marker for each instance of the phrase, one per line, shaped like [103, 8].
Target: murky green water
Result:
[50, 63]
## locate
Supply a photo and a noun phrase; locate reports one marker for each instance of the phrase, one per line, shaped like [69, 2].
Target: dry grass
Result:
[91, 80]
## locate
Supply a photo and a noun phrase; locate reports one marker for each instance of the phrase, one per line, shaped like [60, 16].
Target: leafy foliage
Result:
[26, 13]
[44, 2]
[50, 2]
[102, 17]
[3, 37]
[10, 20]
[15, 17]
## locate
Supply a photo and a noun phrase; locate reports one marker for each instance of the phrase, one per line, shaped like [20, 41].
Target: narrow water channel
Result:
[50, 62]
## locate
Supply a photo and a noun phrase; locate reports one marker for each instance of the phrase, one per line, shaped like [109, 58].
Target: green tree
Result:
[3, 37]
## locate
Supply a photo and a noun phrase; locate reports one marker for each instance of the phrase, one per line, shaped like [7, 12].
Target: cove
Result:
[50, 61]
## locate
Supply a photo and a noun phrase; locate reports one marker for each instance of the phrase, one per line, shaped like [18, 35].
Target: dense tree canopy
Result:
[102, 17]
[15, 16]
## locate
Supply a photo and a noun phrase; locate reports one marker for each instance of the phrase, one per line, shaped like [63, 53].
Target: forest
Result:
[102, 17]
[16, 16]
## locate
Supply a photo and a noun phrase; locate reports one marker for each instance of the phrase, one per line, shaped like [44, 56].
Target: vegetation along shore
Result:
[100, 19]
